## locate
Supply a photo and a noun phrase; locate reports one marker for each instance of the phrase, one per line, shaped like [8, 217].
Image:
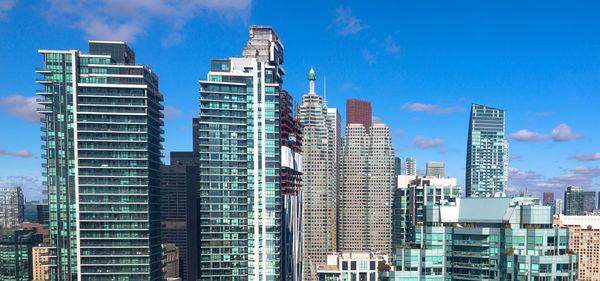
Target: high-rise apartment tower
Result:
[102, 133]
[487, 153]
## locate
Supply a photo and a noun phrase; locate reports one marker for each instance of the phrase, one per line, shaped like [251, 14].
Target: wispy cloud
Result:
[376, 120]
[443, 151]
[515, 156]
[18, 153]
[20, 106]
[528, 136]
[5, 6]
[126, 20]
[545, 114]
[534, 182]
[425, 142]
[345, 22]
[368, 56]
[171, 112]
[390, 45]
[586, 157]
[430, 108]
[31, 186]
[564, 133]
[349, 86]
[397, 132]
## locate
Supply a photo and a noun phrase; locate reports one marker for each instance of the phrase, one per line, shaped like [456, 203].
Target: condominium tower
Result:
[102, 134]
[241, 161]
[366, 185]
[319, 180]
[411, 166]
[487, 153]
[12, 206]
[548, 198]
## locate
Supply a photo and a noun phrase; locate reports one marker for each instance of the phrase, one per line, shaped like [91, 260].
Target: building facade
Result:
[359, 112]
[102, 133]
[574, 201]
[589, 201]
[240, 200]
[179, 221]
[319, 179]
[435, 169]
[548, 198]
[170, 261]
[558, 206]
[292, 190]
[411, 196]
[347, 266]
[12, 206]
[584, 240]
[397, 166]
[411, 166]
[487, 153]
[486, 239]
[366, 185]
[39, 257]
[16, 262]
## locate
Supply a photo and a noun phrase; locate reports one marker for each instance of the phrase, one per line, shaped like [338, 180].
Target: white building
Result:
[352, 265]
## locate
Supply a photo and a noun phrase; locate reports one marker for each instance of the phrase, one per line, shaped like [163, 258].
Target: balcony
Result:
[43, 101]
[42, 81]
[42, 92]
[42, 71]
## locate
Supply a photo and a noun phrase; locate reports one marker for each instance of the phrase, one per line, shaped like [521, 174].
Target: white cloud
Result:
[18, 153]
[171, 112]
[397, 132]
[564, 133]
[425, 142]
[431, 108]
[515, 156]
[534, 182]
[527, 136]
[20, 106]
[390, 45]
[126, 20]
[368, 56]
[544, 114]
[586, 157]
[443, 151]
[5, 6]
[345, 22]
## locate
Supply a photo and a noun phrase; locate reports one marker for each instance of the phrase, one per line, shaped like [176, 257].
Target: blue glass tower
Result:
[487, 153]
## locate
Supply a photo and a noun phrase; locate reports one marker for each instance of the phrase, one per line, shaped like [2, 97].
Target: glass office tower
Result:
[240, 159]
[102, 134]
[487, 153]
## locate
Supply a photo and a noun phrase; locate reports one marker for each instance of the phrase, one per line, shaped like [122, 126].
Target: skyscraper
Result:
[411, 166]
[487, 153]
[240, 163]
[359, 112]
[292, 194]
[103, 139]
[319, 179]
[548, 198]
[397, 166]
[12, 206]
[574, 201]
[366, 185]
[179, 186]
[435, 169]
[558, 206]
[589, 201]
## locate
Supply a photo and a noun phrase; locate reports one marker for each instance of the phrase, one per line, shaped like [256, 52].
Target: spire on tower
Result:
[312, 77]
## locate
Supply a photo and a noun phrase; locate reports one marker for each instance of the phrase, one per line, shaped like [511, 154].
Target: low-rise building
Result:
[486, 239]
[352, 266]
[584, 240]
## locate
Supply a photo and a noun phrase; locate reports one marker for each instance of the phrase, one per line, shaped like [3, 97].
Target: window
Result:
[220, 65]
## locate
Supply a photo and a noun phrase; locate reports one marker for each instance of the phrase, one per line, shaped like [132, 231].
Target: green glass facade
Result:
[102, 134]
[507, 240]
[15, 254]
[240, 217]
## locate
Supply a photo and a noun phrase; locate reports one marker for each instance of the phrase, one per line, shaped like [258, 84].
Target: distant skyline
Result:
[421, 67]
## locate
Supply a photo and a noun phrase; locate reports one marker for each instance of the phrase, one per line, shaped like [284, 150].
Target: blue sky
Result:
[420, 65]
